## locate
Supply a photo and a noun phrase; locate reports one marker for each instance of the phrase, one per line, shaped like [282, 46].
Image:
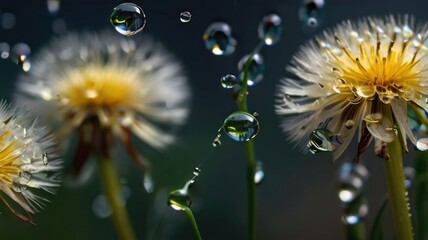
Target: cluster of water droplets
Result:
[352, 180]
[180, 199]
[311, 12]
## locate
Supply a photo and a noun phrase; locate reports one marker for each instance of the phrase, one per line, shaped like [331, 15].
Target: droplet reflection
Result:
[270, 29]
[241, 126]
[218, 39]
[185, 17]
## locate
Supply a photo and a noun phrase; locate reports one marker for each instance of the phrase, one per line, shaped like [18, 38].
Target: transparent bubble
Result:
[8, 20]
[53, 6]
[256, 69]
[218, 39]
[4, 50]
[128, 19]
[311, 12]
[101, 207]
[185, 17]
[228, 81]
[422, 144]
[323, 140]
[241, 126]
[270, 29]
[259, 174]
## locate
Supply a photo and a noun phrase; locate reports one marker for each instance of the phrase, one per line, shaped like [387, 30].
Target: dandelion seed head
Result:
[121, 82]
[29, 163]
[356, 73]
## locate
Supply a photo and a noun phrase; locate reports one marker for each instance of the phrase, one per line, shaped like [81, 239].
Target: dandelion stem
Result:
[192, 220]
[250, 151]
[116, 201]
[397, 192]
[421, 167]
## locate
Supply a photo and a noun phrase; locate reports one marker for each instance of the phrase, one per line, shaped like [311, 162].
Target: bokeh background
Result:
[298, 197]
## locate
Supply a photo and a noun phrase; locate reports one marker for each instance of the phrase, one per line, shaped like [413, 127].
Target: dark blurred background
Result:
[298, 197]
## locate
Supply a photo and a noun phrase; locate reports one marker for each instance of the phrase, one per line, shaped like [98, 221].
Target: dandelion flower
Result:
[107, 83]
[29, 163]
[360, 75]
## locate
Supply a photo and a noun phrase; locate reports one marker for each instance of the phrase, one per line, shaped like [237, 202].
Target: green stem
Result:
[356, 231]
[397, 191]
[251, 159]
[421, 167]
[116, 201]
[192, 220]
[377, 232]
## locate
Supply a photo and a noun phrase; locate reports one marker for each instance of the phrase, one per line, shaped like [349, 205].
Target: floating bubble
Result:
[218, 39]
[241, 126]
[323, 140]
[228, 81]
[148, 182]
[256, 69]
[311, 12]
[7, 20]
[259, 174]
[53, 6]
[100, 207]
[352, 179]
[185, 17]
[180, 199]
[4, 50]
[422, 144]
[270, 29]
[128, 19]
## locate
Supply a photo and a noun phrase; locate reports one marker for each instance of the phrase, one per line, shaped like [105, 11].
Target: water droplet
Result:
[4, 50]
[228, 81]
[128, 19]
[409, 177]
[218, 39]
[259, 174]
[310, 12]
[53, 6]
[17, 187]
[349, 123]
[148, 182]
[270, 29]
[323, 140]
[196, 172]
[422, 144]
[216, 141]
[45, 158]
[255, 70]
[24, 177]
[180, 199]
[101, 207]
[352, 179]
[7, 20]
[241, 126]
[20, 52]
[185, 17]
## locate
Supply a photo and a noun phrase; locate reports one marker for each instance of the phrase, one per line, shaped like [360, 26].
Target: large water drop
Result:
[218, 39]
[180, 199]
[256, 69]
[241, 126]
[422, 144]
[270, 29]
[128, 18]
[323, 140]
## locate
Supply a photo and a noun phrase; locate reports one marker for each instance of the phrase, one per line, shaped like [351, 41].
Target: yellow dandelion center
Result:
[9, 158]
[384, 69]
[99, 85]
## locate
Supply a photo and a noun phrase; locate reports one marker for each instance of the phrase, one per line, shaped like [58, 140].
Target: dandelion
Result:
[107, 84]
[362, 76]
[29, 163]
